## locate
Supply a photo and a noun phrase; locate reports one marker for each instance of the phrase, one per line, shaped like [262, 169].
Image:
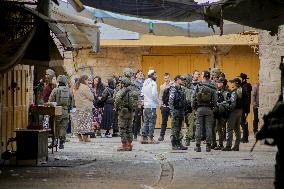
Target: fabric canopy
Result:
[171, 10]
[198, 28]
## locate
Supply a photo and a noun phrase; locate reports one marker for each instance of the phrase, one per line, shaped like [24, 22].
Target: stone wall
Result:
[271, 48]
[106, 63]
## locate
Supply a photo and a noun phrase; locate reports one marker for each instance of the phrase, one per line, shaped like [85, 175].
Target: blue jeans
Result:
[150, 118]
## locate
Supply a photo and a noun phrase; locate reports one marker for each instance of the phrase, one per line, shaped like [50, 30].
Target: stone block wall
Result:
[108, 62]
[271, 48]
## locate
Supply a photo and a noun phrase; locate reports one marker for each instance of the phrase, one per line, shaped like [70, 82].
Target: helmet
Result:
[215, 72]
[50, 72]
[188, 79]
[128, 72]
[62, 79]
[125, 81]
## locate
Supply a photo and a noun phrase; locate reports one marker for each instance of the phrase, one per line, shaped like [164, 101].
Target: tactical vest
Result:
[63, 95]
[203, 95]
[179, 100]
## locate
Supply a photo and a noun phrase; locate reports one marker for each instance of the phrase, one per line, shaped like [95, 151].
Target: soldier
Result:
[125, 103]
[273, 128]
[137, 121]
[63, 97]
[189, 116]
[215, 74]
[177, 109]
[246, 90]
[204, 100]
[234, 116]
[221, 115]
[135, 86]
[195, 81]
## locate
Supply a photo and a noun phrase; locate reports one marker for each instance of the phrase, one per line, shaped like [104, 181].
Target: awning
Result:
[72, 32]
[198, 28]
[171, 10]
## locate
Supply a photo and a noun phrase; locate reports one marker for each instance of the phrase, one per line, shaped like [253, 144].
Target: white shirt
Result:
[150, 93]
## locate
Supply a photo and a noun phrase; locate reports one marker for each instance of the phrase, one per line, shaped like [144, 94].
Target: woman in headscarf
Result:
[108, 112]
[83, 124]
[97, 89]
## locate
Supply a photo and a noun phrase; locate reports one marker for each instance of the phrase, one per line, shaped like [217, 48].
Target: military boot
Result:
[181, 147]
[219, 147]
[129, 145]
[197, 148]
[152, 140]
[144, 140]
[214, 145]
[227, 148]
[161, 138]
[187, 142]
[123, 147]
[236, 148]
[208, 147]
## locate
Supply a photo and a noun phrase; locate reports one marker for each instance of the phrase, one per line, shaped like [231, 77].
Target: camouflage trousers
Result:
[177, 121]
[125, 125]
[60, 127]
[189, 124]
[204, 118]
[219, 126]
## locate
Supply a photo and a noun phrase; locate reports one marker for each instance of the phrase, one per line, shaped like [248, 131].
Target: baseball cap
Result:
[236, 80]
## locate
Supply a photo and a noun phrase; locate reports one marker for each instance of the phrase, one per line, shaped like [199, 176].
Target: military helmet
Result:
[215, 72]
[62, 79]
[126, 81]
[188, 78]
[50, 72]
[128, 72]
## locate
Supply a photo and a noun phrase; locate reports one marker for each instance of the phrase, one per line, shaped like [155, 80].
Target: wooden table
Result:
[52, 111]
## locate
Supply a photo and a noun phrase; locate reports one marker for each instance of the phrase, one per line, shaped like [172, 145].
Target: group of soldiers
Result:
[207, 107]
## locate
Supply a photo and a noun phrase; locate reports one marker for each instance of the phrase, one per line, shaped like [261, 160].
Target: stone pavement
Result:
[98, 165]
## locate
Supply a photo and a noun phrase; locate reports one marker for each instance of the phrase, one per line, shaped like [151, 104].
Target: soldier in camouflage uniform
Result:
[125, 104]
[177, 109]
[204, 100]
[221, 114]
[189, 116]
[234, 119]
[63, 97]
[215, 74]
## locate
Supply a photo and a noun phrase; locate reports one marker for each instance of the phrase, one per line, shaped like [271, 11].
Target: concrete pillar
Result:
[271, 48]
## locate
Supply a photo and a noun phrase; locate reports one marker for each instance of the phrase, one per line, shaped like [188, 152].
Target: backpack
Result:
[204, 94]
[63, 95]
[246, 97]
[188, 97]
[166, 96]
[128, 99]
